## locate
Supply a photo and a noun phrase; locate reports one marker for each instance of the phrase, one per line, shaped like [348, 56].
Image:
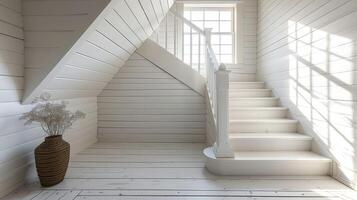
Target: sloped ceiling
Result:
[82, 68]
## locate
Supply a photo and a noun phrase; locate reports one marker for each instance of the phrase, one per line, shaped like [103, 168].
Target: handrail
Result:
[216, 73]
[188, 22]
[171, 36]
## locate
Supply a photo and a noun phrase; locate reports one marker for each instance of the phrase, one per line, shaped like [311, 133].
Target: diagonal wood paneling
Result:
[82, 69]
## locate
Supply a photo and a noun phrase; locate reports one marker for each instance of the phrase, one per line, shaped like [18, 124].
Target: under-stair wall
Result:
[306, 54]
[17, 141]
[143, 103]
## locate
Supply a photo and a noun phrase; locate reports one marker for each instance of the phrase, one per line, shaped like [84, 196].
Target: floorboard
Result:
[161, 171]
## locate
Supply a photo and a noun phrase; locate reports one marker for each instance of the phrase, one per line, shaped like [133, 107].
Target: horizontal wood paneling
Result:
[306, 54]
[17, 141]
[145, 104]
[246, 25]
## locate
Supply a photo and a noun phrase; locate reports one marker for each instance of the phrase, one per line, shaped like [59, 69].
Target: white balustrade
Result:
[171, 35]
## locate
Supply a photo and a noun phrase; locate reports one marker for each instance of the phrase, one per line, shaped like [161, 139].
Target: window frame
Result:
[219, 8]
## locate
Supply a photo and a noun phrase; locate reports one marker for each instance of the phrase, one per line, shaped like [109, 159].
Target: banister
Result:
[217, 77]
[188, 22]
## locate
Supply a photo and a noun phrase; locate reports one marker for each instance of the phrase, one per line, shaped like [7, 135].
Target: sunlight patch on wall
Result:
[320, 84]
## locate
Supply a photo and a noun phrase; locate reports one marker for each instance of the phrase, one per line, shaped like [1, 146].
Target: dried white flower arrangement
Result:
[53, 117]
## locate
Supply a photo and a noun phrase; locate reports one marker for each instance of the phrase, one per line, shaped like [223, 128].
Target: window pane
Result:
[187, 39]
[194, 58]
[195, 49]
[220, 20]
[186, 58]
[197, 15]
[187, 49]
[211, 15]
[198, 23]
[186, 28]
[187, 14]
[226, 49]
[215, 49]
[225, 15]
[226, 58]
[226, 39]
[226, 26]
[195, 39]
[214, 39]
[212, 24]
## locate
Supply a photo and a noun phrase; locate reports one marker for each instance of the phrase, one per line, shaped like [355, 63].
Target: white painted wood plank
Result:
[104, 42]
[149, 12]
[11, 69]
[11, 44]
[159, 131]
[123, 10]
[118, 22]
[110, 32]
[98, 53]
[137, 10]
[80, 60]
[158, 10]
[8, 29]
[166, 99]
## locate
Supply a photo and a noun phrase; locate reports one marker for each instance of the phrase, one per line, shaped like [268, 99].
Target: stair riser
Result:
[232, 87]
[273, 144]
[268, 168]
[253, 103]
[257, 114]
[250, 94]
[260, 127]
[242, 77]
[237, 68]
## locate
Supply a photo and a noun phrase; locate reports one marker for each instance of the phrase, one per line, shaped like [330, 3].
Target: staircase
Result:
[257, 137]
[264, 140]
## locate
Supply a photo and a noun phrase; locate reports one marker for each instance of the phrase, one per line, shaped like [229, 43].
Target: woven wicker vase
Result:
[52, 157]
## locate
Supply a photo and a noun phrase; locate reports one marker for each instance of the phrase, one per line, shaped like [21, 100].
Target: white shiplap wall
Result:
[51, 28]
[143, 103]
[306, 54]
[17, 141]
[246, 29]
[101, 50]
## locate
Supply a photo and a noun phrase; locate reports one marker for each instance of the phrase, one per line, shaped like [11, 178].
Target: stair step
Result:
[246, 85]
[238, 68]
[270, 142]
[269, 163]
[257, 112]
[263, 126]
[254, 102]
[242, 77]
[237, 93]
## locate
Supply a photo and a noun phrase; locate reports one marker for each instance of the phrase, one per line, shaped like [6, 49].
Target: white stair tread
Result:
[251, 90]
[258, 108]
[287, 136]
[252, 98]
[263, 121]
[279, 155]
[246, 82]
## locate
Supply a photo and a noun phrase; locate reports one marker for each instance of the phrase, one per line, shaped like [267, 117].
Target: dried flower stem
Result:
[53, 117]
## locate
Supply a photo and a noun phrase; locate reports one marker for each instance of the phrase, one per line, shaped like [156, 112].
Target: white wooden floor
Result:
[169, 171]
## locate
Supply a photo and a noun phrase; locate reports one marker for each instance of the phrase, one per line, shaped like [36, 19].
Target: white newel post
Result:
[222, 147]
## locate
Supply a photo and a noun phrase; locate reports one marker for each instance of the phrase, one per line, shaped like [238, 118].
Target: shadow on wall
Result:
[323, 90]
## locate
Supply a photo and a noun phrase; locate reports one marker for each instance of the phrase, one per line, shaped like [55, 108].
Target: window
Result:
[221, 20]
